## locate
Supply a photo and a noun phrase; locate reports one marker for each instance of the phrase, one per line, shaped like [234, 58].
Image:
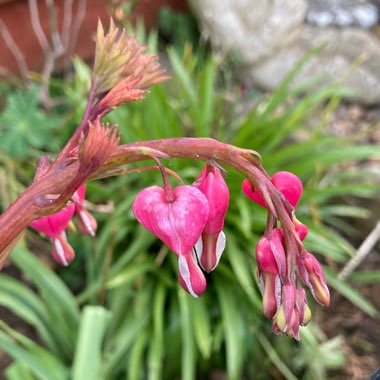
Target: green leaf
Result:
[350, 293]
[25, 304]
[200, 317]
[92, 328]
[39, 360]
[58, 300]
[234, 329]
[188, 355]
[17, 371]
[156, 346]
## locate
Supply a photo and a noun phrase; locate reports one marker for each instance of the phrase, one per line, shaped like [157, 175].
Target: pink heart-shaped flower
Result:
[178, 222]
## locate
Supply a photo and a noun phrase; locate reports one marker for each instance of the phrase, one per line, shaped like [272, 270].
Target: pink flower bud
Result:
[289, 185]
[301, 229]
[190, 276]
[212, 243]
[178, 222]
[63, 253]
[271, 262]
[86, 222]
[252, 193]
[316, 281]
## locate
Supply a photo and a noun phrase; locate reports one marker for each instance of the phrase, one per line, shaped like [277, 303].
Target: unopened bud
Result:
[86, 222]
[281, 319]
[306, 316]
[63, 253]
[317, 280]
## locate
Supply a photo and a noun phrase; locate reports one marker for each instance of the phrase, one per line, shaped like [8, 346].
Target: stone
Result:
[271, 36]
[343, 47]
[342, 13]
[253, 28]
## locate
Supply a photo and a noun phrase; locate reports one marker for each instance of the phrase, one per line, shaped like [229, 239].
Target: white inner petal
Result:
[185, 274]
[60, 251]
[199, 248]
[220, 245]
[87, 222]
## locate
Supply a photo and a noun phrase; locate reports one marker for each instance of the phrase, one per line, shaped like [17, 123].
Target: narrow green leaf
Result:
[234, 329]
[274, 357]
[18, 371]
[25, 304]
[136, 357]
[183, 76]
[350, 293]
[366, 277]
[39, 360]
[156, 345]
[92, 328]
[200, 317]
[188, 355]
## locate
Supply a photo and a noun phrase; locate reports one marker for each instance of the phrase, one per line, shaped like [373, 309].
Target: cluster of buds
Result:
[283, 263]
[189, 219]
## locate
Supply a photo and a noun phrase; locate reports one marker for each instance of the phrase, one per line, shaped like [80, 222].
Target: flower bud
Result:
[63, 253]
[301, 229]
[271, 262]
[289, 185]
[252, 193]
[316, 279]
[86, 222]
[212, 243]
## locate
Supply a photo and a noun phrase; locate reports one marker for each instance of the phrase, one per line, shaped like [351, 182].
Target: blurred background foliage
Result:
[118, 312]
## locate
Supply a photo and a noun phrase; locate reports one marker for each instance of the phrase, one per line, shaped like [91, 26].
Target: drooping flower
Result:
[177, 219]
[86, 222]
[287, 183]
[315, 279]
[270, 257]
[210, 246]
[54, 227]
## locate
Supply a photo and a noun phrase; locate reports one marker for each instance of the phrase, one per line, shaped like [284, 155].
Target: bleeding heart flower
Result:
[271, 262]
[178, 219]
[54, 226]
[287, 183]
[252, 193]
[210, 246]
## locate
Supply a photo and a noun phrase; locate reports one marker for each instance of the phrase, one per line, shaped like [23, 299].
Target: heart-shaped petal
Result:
[178, 222]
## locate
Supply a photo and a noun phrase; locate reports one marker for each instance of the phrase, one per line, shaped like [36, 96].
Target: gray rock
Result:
[271, 37]
[342, 13]
[253, 28]
[343, 47]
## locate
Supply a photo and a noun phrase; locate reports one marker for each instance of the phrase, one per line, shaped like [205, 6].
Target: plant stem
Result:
[33, 203]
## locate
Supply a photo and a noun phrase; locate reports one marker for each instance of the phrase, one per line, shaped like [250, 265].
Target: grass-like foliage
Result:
[120, 313]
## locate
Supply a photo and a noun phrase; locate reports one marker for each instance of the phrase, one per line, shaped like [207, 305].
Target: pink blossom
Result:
[54, 226]
[210, 246]
[177, 219]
